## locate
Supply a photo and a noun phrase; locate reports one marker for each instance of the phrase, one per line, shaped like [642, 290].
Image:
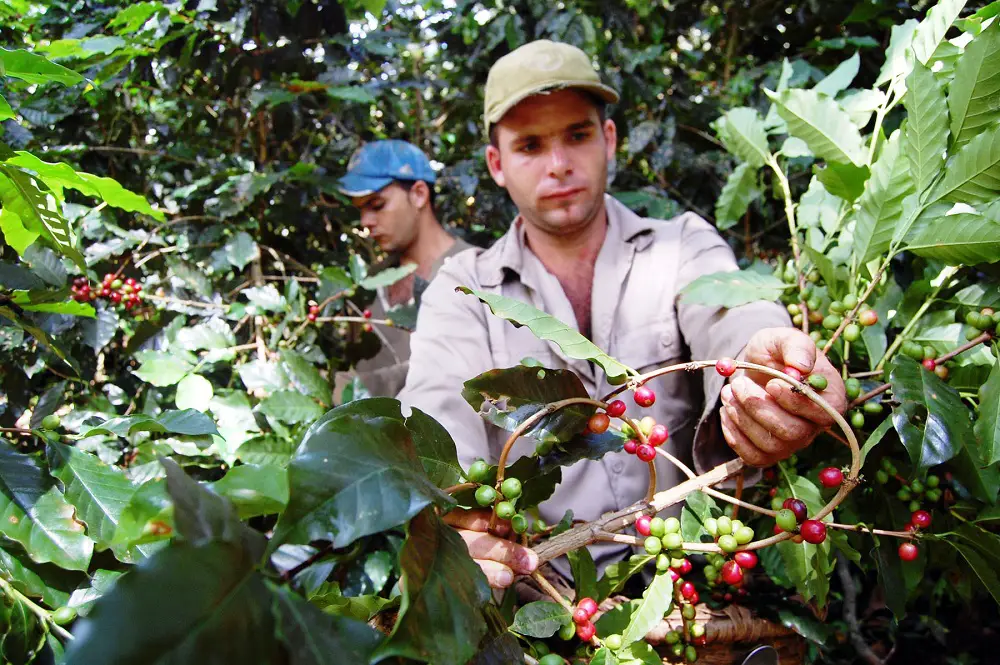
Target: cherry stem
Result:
[868, 395]
[455, 489]
[850, 315]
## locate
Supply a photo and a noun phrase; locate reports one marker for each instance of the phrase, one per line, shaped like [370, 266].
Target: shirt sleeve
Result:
[715, 332]
[449, 346]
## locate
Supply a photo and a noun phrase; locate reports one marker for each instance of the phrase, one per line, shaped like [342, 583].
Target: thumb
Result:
[796, 349]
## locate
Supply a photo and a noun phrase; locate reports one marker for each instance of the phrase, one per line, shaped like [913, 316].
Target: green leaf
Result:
[36, 332]
[984, 569]
[435, 448]
[14, 233]
[881, 206]
[213, 335]
[187, 604]
[194, 392]
[962, 238]
[925, 136]
[898, 56]
[99, 492]
[41, 301]
[618, 573]
[540, 619]
[28, 198]
[819, 208]
[604, 656]
[875, 438]
[584, 573]
[823, 263]
[891, 576]
[313, 637]
[440, 620]
[733, 288]
[240, 250]
[47, 404]
[931, 420]
[840, 78]
[134, 16]
[21, 64]
[933, 28]
[743, 132]
[86, 594]
[549, 328]
[6, 112]
[698, 507]
[305, 376]
[971, 175]
[27, 581]
[266, 450]
[254, 490]
[508, 397]
[161, 368]
[34, 513]
[263, 375]
[843, 180]
[387, 277]
[187, 422]
[349, 466]
[822, 124]
[987, 427]
[266, 298]
[353, 93]
[657, 602]
[973, 93]
[640, 653]
[290, 406]
[150, 505]
[737, 194]
[100, 330]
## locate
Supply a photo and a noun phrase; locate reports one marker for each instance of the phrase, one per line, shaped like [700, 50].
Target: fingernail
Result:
[527, 560]
[504, 578]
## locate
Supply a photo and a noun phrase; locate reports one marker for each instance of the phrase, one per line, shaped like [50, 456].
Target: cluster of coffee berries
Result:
[792, 518]
[127, 293]
[313, 313]
[582, 615]
[913, 493]
[852, 387]
[655, 434]
[503, 502]
[682, 642]
[985, 320]
[920, 519]
[661, 535]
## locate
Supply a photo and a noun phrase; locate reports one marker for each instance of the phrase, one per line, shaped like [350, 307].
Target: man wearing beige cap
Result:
[580, 255]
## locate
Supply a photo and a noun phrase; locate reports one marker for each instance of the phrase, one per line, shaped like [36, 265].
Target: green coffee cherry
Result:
[652, 545]
[917, 486]
[797, 320]
[673, 637]
[51, 421]
[776, 503]
[689, 612]
[853, 388]
[912, 349]
[837, 307]
[872, 406]
[785, 520]
[725, 525]
[657, 527]
[728, 544]
[672, 525]
[933, 481]
[672, 541]
[519, 523]
[929, 352]
[933, 495]
[64, 615]
[850, 301]
[544, 448]
[904, 494]
[567, 632]
[505, 510]
[696, 630]
[662, 562]
[712, 526]
[613, 642]
[831, 321]
[690, 654]
[744, 535]
[817, 381]
[478, 472]
[511, 488]
[793, 309]
[852, 332]
[541, 649]
[882, 476]
[857, 419]
[485, 496]
[914, 506]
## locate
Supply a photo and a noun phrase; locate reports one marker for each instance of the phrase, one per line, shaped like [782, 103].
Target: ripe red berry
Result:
[580, 616]
[314, 309]
[732, 573]
[367, 314]
[644, 396]
[773, 492]
[646, 452]
[616, 409]
[797, 506]
[908, 552]
[589, 605]
[869, 317]
[746, 560]
[674, 575]
[794, 373]
[658, 435]
[108, 278]
[631, 446]
[130, 281]
[642, 525]
[116, 297]
[367, 327]
[921, 518]
[685, 567]
[311, 316]
[831, 476]
[728, 597]
[813, 531]
[770, 475]
[694, 598]
[586, 631]
[929, 364]
[598, 423]
[725, 366]
[687, 589]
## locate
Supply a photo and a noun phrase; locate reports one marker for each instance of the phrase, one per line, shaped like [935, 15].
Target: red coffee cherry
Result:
[631, 446]
[598, 423]
[644, 396]
[831, 476]
[747, 560]
[642, 525]
[908, 552]
[658, 435]
[813, 531]
[616, 409]
[586, 631]
[725, 366]
[646, 452]
[732, 573]
[921, 518]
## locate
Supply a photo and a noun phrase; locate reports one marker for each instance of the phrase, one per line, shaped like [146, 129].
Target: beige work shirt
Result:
[636, 317]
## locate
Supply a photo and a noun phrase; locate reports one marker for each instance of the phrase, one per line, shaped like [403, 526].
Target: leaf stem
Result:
[853, 313]
[946, 274]
[786, 195]
[37, 610]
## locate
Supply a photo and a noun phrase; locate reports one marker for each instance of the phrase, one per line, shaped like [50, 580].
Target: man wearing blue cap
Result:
[391, 183]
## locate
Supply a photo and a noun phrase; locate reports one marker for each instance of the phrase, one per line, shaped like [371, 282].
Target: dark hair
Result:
[602, 114]
[407, 185]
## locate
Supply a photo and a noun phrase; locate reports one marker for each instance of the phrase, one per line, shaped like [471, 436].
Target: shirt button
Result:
[617, 466]
[666, 339]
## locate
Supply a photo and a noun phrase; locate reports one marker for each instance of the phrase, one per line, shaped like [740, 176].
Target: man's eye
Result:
[528, 147]
[580, 136]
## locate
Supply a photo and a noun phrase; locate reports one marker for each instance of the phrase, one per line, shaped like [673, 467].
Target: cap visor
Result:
[355, 184]
[604, 92]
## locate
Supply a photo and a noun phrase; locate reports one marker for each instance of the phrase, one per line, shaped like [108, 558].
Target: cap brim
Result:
[355, 184]
[604, 92]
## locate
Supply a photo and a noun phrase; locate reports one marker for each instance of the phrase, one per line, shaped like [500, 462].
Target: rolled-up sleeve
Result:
[715, 332]
[449, 346]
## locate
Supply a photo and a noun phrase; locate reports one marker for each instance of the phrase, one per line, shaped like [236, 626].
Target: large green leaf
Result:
[162, 368]
[542, 618]
[21, 576]
[6, 112]
[698, 507]
[313, 637]
[881, 206]
[186, 422]
[435, 448]
[925, 138]
[547, 327]
[737, 194]
[36, 332]
[844, 180]
[584, 572]
[186, 604]
[99, 492]
[820, 122]
[194, 392]
[387, 277]
[973, 94]
[973, 175]
[931, 420]
[254, 490]
[291, 406]
[733, 288]
[305, 376]
[657, 602]
[743, 132]
[808, 566]
[354, 475]
[840, 78]
[933, 28]
[35, 206]
[34, 513]
[508, 397]
[34, 68]
[899, 55]
[987, 427]
[440, 620]
[14, 232]
[962, 238]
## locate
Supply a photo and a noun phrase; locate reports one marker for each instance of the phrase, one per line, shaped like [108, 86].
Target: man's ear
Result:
[494, 165]
[610, 138]
[420, 194]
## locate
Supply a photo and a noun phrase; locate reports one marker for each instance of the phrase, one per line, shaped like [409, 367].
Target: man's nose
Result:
[559, 163]
[368, 219]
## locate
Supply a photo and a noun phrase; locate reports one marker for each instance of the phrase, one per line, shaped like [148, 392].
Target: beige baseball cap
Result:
[536, 67]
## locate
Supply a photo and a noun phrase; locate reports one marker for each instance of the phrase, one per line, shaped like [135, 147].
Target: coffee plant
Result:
[179, 483]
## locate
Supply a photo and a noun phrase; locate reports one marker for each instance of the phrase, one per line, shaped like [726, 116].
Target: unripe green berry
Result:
[857, 419]
[544, 448]
[51, 421]
[933, 481]
[852, 332]
[653, 545]
[837, 307]
[688, 612]
[817, 381]
[63, 615]
[933, 495]
[776, 503]
[672, 525]
[972, 334]
[793, 309]
[657, 527]
[725, 525]
[917, 486]
[672, 541]
[929, 352]
[914, 506]
[831, 321]
[662, 562]
[567, 632]
[485, 495]
[913, 350]
[116, 284]
[814, 304]
[850, 301]
[613, 642]
[797, 320]
[853, 388]
[677, 650]
[519, 523]
[539, 526]
[904, 494]
[712, 526]
[744, 535]
[673, 637]
[736, 524]
[541, 649]
[785, 520]
[478, 472]
[690, 654]
[728, 544]
[511, 488]
[505, 510]
[882, 476]
[872, 406]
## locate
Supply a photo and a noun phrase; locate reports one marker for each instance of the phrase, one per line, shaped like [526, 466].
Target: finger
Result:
[484, 546]
[498, 575]
[779, 348]
[476, 520]
[764, 409]
[795, 402]
[741, 445]
[764, 440]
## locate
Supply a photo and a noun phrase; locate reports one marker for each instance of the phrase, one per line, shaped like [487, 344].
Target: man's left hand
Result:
[764, 420]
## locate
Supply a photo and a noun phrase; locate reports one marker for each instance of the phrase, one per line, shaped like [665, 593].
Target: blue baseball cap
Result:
[379, 163]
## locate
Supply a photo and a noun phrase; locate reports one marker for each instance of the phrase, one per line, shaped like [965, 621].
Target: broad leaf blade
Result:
[822, 124]
[881, 206]
[959, 239]
[737, 194]
[973, 94]
[540, 619]
[743, 132]
[254, 490]
[306, 377]
[387, 277]
[25, 196]
[658, 601]
[584, 572]
[34, 68]
[618, 573]
[973, 174]
[551, 329]
[292, 407]
[925, 138]
[931, 31]
[733, 288]
[987, 427]
[435, 448]
[313, 637]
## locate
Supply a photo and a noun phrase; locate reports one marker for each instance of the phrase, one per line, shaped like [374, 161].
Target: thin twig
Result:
[868, 395]
[850, 315]
[461, 487]
[866, 375]
[37, 610]
[851, 613]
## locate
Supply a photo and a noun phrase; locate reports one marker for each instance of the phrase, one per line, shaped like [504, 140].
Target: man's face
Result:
[551, 155]
[390, 215]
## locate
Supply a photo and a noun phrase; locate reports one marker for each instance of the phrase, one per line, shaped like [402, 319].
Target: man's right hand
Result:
[500, 559]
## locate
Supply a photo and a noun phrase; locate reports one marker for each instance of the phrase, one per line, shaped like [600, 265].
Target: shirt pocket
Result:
[649, 347]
